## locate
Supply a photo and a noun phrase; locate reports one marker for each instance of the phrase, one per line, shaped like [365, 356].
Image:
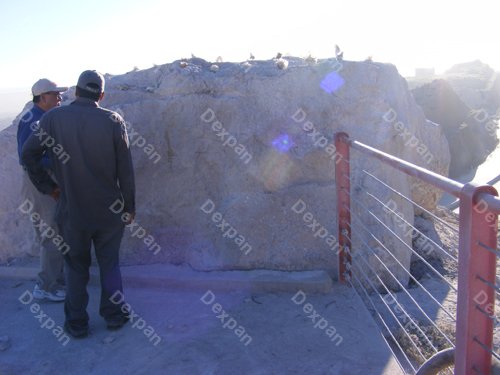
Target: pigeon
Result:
[252, 57]
[310, 59]
[339, 54]
[278, 55]
[282, 64]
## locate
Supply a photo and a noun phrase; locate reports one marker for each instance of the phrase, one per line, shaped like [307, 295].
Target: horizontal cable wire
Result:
[398, 304]
[486, 348]
[491, 250]
[409, 247]
[410, 296]
[406, 222]
[383, 322]
[395, 317]
[412, 202]
[401, 240]
[401, 285]
[477, 370]
[496, 288]
[494, 251]
[344, 159]
[403, 267]
[485, 313]
[412, 226]
[432, 178]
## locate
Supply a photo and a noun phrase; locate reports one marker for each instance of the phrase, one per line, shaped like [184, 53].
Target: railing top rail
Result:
[492, 201]
[441, 182]
[444, 183]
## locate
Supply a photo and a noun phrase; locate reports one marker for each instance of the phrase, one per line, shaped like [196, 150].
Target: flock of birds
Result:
[280, 62]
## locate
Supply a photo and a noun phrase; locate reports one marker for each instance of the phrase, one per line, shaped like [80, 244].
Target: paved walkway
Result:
[187, 322]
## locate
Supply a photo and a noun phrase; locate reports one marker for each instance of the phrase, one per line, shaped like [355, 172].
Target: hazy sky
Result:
[59, 39]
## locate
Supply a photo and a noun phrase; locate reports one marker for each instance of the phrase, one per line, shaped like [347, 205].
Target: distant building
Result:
[424, 72]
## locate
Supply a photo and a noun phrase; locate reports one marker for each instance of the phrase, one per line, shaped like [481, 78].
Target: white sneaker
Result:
[57, 296]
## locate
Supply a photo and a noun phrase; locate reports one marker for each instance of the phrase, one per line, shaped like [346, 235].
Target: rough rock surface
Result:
[229, 162]
[477, 84]
[471, 134]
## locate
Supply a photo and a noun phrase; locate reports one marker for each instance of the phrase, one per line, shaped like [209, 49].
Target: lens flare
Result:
[332, 82]
[283, 143]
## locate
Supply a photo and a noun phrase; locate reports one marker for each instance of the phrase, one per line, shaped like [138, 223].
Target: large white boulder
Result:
[235, 168]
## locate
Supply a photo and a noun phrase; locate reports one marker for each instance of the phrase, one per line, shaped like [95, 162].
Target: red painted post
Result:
[343, 186]
[477, 223]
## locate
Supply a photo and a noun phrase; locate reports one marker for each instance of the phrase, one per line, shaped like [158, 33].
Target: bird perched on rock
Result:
[252, 57]
[339, 54]
[282, 63]
[218, 59]
[278, 55]
[310, 59]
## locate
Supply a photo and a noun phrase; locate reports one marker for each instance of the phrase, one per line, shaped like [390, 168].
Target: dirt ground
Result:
[200, 331]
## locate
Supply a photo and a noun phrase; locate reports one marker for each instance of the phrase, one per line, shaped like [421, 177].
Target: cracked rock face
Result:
[235, 168]
[471, 134]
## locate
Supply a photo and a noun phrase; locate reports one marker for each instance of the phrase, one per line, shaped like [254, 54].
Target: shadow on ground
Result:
[185, 332]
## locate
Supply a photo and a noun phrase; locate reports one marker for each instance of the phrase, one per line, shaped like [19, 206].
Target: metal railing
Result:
[367, 263]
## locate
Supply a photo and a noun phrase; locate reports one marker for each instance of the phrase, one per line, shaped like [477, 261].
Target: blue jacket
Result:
[26, 128]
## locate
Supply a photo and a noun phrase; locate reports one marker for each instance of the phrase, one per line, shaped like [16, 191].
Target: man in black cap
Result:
[50, 280]
[98, 173]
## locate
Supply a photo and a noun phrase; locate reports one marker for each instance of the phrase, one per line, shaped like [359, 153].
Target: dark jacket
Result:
[89, 149]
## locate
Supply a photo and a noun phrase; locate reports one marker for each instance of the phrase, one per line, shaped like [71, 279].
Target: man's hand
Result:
[130, 218]
[56, 193]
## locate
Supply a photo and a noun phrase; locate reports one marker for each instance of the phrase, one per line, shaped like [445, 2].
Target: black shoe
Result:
[117, 323]
[76, 332]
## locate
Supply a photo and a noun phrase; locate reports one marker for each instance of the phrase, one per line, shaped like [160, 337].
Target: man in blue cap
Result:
[50, 283]
[98, 173]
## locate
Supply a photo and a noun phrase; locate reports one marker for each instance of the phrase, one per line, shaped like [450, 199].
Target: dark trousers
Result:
[78, 259]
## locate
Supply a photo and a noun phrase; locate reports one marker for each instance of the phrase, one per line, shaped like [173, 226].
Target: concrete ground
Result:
[186, 322]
